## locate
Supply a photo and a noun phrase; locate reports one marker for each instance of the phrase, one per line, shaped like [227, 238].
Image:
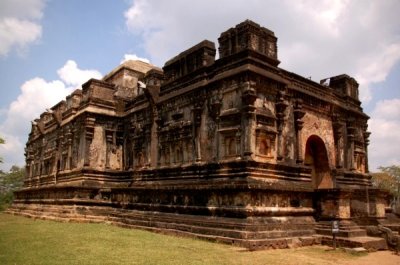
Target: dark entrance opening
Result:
[317, 158]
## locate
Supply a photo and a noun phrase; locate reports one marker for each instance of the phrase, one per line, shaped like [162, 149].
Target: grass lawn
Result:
[28, 241]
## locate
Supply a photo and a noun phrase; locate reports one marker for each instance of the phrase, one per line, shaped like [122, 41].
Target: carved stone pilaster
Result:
[214, 109]
[366, 143]
[298, 124]
[350, 146]
[89, 133]
[249, 96]
[147, 146]
[69, 140]
[109, 143]
[280, 107]
[158, 126]
[338, 138]
[197, 111]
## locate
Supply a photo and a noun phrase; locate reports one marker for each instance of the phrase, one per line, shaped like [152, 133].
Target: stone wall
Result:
[237, 137]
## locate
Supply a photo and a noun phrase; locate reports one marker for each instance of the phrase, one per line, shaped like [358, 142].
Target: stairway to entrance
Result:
[350, 235]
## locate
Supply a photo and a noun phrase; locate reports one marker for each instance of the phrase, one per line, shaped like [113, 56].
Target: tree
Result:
[1, 142]
[15, 168]
[384, 181]
[9, 182]
[14, 179]
[388, 179]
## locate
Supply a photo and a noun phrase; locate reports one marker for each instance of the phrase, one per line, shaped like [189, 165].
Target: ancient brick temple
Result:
[233, 149]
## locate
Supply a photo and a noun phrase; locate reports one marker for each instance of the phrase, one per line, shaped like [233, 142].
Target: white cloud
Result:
[134, 57]
[36, 95]
[18, 33]
[31, 9]
[385, 138]
[315, 38]
[19, 24]
[134, 16]
[72, 75]
[376, 67]
[387, 109]
[324, 13]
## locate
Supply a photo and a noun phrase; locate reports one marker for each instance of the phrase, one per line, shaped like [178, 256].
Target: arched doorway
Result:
[317, 158]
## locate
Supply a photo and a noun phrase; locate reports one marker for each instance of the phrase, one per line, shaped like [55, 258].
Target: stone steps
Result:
[369, 243]
[71, 212]
[346, 229]
[210, 230]
[215, 229]
[392, 222]
[252, 244]
[227, 230]
[342, 233]
[394, 227]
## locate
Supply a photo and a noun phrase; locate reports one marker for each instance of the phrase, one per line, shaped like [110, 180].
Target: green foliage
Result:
[385, 182]
[27, 241]
[6, 200]
[1, 142]
[388, 179]
[9, 182]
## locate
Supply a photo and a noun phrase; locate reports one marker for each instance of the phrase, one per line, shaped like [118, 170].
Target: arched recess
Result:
[317, 158]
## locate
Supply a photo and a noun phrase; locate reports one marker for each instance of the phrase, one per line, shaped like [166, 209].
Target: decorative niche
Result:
[265, 143]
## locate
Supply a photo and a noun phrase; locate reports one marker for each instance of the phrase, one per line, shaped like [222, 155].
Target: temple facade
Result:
[234, 149]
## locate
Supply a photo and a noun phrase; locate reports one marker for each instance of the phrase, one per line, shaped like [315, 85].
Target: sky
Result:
[48, 48]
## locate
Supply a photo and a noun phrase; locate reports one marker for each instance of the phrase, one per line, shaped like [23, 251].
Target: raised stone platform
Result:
[252, 233]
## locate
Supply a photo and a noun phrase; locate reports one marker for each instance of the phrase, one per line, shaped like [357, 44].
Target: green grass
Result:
[28, 241]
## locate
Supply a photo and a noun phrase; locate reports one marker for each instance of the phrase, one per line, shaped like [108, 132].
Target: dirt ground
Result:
[326, 255]
[376, 258]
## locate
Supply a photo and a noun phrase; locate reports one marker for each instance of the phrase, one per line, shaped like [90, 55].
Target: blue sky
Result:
[85, 31]
[48, 48]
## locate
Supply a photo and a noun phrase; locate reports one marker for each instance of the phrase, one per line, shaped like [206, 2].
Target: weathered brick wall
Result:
[320, 125]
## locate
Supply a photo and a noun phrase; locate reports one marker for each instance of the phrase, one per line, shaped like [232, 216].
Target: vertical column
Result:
[130, 146]
[298, 116]
[109, 144]
[170, 150]
[73, 161]
[338, 137]
[214, 112]
[160, 144]
[58, 156]
[67, 163]
[89, 132]
[147, 148]
[154, 128]
[154, 148]
[29, 168]
[31, 173]
[197, 111]
[280, 107]
[238, 137]
[366, 143]
[249, 96]
[350, 147]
